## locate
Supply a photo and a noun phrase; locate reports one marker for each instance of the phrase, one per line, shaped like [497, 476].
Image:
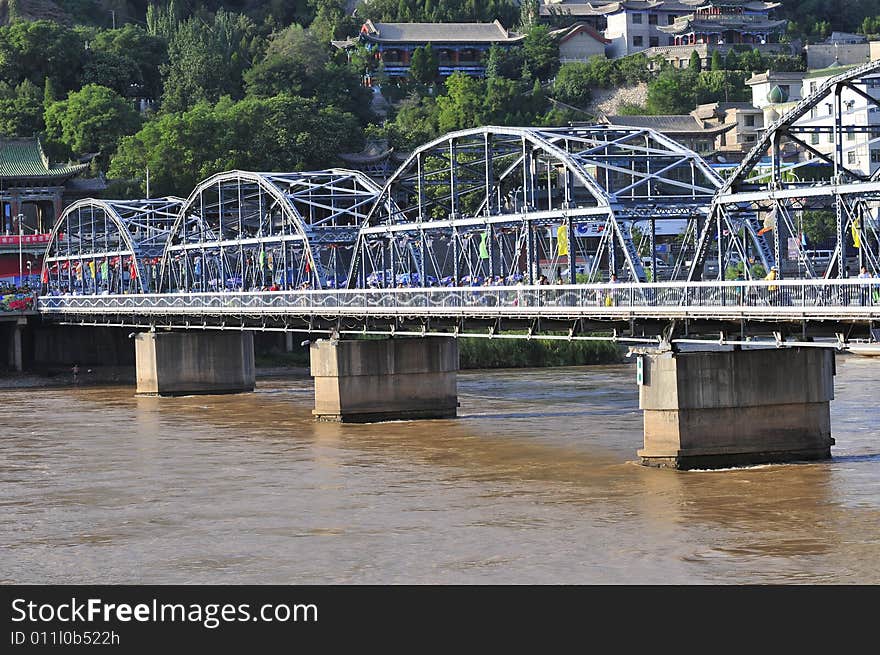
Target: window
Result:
[653, 41]
[851, 157]
[850, 134]
[812, 87]
[750, 120]
[750, 138]
[830, 108]
[652, 19]
[637, 40]
[671, 40]
[670, 19]
[814, 113]
[637, 19]
[814, 138]
[875, 156]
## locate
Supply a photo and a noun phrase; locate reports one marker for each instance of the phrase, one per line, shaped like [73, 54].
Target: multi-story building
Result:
[460, 47]
[726, 22]
[860, 118]
[638, 25]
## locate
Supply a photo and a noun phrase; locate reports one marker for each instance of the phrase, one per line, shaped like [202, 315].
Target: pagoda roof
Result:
[23, 158]
[438, 33]
[687, 24]
[599, 8]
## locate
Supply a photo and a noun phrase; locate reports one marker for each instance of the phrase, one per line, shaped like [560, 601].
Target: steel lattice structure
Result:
[109, 246]
[504, 202]
[800, 177]
[241, 230]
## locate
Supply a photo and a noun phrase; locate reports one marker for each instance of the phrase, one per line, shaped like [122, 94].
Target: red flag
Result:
[308, 267]
[45, 275]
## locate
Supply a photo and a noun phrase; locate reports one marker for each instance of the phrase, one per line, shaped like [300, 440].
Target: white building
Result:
[860, 117]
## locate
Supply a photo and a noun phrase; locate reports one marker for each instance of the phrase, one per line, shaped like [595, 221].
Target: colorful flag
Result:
[561, 240]
[484, 245]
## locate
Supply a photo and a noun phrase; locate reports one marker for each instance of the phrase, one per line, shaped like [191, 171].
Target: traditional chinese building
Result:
[33, 193]
[726, 22]
[459, 47]
[637, 25]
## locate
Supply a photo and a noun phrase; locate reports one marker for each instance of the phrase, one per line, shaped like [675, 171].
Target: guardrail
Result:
[851, 298]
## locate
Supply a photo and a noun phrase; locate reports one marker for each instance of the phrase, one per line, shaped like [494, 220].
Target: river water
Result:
[533, 483]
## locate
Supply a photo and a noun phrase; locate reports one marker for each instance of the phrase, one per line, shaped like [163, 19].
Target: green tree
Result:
[149, 54]
[819, 225]
[35, 50]
[92, 119]
[462, 106]
[207, 60]
[424, 66]
[695, 64]
[284, 132]
[416, 123]
[331, 20]
[541, 52]
[573, 82]
[114, 71]
[717, 62]
[21, 109]
[673, 92]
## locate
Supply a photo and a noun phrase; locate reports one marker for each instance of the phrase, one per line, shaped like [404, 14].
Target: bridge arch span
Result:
[112, 246]
[244, 230]
[506, 202]
[820, 155]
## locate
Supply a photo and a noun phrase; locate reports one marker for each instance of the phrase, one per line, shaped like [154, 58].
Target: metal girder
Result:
[246, 230]
[108, 245]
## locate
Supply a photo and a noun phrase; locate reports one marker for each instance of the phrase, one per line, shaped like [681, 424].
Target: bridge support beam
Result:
[733, 408]
[182, 363]
[361, 381]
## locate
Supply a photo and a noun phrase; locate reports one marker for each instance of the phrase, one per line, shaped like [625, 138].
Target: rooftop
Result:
[438, 33]
[24, 158]
[667, 123]
[566, 33]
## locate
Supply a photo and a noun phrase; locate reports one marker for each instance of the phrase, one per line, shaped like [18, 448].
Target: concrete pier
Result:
[13, 327]
[719, 409]
[360, 381]
[182, 363]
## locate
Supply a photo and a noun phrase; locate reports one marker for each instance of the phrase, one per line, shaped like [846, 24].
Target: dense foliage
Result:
[248, 84]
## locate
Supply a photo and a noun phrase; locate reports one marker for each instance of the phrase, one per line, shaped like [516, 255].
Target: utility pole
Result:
[148, 182]
[113, 14]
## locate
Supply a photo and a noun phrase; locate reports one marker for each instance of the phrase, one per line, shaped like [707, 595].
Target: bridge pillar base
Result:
[735, 408]
[183, 363]
[362, 381]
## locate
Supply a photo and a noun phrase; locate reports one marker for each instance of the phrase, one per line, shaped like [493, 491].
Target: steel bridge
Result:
[502, 231]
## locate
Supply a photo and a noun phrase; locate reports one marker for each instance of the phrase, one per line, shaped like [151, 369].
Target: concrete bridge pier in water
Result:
[183, 363]
[365, 380]
[720, 409]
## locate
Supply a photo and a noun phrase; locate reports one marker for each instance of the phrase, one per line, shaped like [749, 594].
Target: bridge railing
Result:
[721, 297]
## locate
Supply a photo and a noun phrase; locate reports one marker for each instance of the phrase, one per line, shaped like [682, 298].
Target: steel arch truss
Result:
[820, 153]
[112, 246]
[242, 230]
[495, 203]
